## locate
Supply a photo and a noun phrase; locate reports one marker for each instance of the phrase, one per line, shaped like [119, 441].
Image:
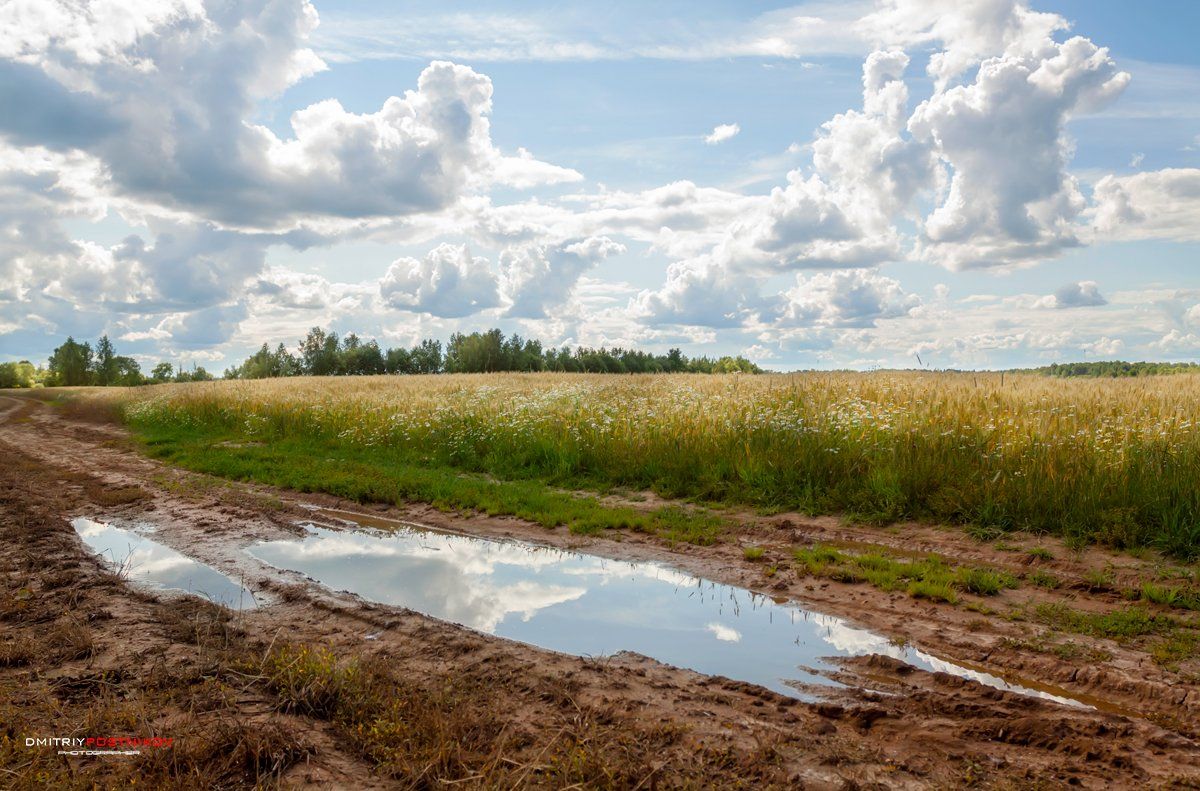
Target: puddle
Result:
[147, 562]
[593, 606]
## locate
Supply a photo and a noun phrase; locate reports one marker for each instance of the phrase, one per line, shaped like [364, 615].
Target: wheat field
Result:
[1115, 461]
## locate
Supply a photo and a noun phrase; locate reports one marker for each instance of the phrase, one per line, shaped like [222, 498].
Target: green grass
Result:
[984, 582]
[1176, 648]
[1118, 625]
[1170, 596]
[1068, 650]
[1161, 594]
[923, 578]
[1179, 642]
[881, 571]
[1043, 579]
[1097, 580]
[1073, 652]
[374, 475]
[935, 591]
[818, 558]
[753, 554]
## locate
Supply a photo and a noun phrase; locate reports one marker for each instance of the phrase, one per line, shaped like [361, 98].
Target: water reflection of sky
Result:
[150, 563]
[587, 605]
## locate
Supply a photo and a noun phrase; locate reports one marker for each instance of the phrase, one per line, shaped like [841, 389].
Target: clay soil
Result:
[86, 653]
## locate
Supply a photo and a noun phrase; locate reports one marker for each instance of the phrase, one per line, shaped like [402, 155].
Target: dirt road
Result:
[85, 650]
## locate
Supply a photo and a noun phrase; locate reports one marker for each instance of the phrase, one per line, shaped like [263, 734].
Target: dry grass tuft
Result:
[109, 496]
[17, 651]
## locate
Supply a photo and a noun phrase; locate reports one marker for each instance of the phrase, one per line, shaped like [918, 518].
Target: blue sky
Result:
[1012, 184]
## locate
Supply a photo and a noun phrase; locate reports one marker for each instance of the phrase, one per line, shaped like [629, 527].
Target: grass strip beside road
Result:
[371, 475]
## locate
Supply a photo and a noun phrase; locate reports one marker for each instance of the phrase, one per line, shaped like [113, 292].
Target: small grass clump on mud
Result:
[1049, 643]
[1111, 461]
[1170, 596]
[1178, 640]
[1098, 580]
[1043, 579]
[934, 590]
[923, 578]
[984, 582]
[1175, 649]
[1117, 625]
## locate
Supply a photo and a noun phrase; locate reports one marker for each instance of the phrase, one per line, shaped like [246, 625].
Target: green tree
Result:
[197, 374]
[427, 357]
[399, 361]
[128, 372]
[71, 364]
[265, 364]
[104, 364]
[360, 359]
[21, 374]
[163, 372]
[319, 353]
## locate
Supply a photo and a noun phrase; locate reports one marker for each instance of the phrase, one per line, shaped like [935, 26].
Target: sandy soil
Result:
[894, 728]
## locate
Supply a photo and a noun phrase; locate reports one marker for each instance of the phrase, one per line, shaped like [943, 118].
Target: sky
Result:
[857, 184]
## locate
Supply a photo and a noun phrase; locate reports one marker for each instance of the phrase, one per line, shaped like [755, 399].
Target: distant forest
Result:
[323, 353]
[1115, 368]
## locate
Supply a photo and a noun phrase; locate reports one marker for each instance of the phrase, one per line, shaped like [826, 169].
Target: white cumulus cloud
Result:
[447, 282]
[537, 277]
[1083, 294]
[1010, 198]
[167, 99]
[721, 133]
[845, 298]
[1159, 204]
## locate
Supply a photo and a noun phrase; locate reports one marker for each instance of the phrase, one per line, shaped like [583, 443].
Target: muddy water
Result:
[147, 562]
[593, 606]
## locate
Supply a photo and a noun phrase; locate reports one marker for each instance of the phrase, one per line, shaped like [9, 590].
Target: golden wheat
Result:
[1113, 458]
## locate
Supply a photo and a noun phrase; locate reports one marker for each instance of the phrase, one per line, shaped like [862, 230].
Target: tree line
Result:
[323, 353]
[73, 364]
[1116, 368]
